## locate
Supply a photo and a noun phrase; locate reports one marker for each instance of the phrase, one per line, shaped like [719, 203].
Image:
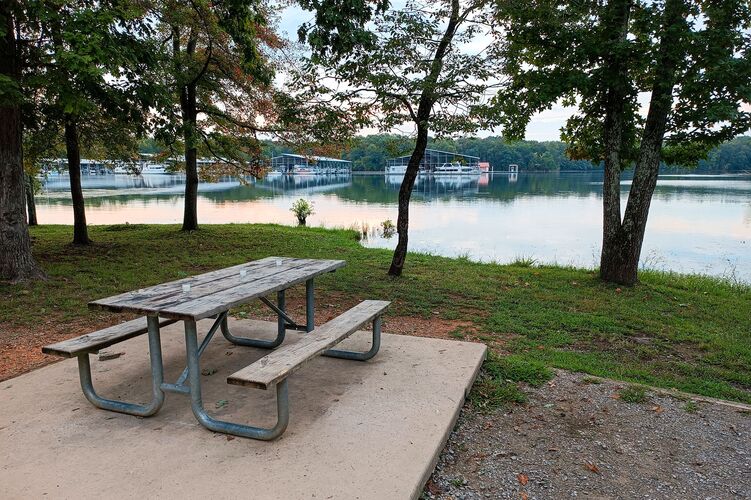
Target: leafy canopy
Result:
[556, 53]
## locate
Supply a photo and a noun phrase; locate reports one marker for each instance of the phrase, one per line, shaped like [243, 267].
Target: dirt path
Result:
[576, 439]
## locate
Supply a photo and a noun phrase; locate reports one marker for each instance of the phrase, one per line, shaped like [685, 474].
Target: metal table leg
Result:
[266, 344]
[157, 376]
[360, 356]
[310, 304]
[196, 402]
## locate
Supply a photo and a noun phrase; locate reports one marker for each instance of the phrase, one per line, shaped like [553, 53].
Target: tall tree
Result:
[86, 65]
[16, 260]
[223, 59]
[693, 59]
[416, 69]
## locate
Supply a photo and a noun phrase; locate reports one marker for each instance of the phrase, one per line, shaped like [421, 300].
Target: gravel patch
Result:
[577, 439]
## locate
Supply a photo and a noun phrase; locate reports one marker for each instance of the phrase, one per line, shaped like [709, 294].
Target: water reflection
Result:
[697, 223]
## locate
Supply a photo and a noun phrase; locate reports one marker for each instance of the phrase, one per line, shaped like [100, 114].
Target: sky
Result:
[545, 126]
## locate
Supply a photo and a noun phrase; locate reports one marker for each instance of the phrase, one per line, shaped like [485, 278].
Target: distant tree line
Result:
[369, 153]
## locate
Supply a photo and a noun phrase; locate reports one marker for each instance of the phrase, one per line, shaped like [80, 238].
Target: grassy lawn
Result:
[686, 332]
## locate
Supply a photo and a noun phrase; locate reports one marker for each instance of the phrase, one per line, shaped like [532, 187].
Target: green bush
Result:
[302, 209]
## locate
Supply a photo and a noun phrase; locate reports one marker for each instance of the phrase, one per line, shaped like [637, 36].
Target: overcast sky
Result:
[545, 126]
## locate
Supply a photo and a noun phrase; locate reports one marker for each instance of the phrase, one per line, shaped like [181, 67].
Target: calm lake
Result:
[698, 224]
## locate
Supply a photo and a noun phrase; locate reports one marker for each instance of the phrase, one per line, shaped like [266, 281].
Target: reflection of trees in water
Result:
[384, 189]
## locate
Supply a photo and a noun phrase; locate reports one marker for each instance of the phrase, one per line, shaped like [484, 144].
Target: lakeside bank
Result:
[688, 332]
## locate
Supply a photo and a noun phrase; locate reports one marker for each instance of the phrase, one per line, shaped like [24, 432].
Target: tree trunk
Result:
[624, 263]
[31, 206]
[80, 231]
[405, 193]
[421, 119]
[16, 261]
[189, 114]
[616, 19]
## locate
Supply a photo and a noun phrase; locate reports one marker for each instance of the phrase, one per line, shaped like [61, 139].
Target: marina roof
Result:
[315, 158]
[438, 151]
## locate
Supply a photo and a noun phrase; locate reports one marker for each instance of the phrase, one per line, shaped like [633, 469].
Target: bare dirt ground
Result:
[577, 439]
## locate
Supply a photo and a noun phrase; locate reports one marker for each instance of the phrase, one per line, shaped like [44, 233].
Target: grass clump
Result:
[517, 369]
[498, 384]
[634, 394]
[691, 406]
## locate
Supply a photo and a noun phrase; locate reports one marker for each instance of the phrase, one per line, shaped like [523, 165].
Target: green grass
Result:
[691, 333]
[634, 394]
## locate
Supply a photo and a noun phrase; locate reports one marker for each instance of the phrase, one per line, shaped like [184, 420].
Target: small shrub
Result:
[591, 380]
[634, 394]
[388, 229]
[302, 209]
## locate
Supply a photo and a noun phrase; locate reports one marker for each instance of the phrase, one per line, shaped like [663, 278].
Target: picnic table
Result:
[212, 295]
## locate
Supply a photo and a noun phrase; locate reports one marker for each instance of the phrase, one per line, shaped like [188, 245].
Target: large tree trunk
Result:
[80, 231]
[405, 193]
[616, 20]
[190, 215]
[31, 206]
[623, 264]
[16, 261]
[189, 114]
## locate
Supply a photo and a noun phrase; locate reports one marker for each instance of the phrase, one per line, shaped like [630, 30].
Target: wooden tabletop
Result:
[217, 291]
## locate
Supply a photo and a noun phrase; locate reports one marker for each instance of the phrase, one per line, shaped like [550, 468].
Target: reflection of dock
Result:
[431, 184]
[318, 183]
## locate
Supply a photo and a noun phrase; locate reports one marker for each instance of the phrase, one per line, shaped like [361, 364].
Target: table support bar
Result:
[157, 376]
[196, 402]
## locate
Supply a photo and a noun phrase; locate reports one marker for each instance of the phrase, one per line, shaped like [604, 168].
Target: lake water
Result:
[697, 224]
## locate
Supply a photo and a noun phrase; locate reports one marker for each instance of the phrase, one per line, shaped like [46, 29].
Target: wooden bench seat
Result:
[102, 338]
[281, 363]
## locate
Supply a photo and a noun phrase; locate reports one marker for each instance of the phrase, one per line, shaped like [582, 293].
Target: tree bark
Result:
[624, 262]
[421, 118]
[31, 206]
[80, 231]
[16, 260]
[616, 21]
[405, 193]
[189, 115]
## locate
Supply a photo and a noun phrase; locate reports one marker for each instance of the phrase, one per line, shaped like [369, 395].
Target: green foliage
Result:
[557, 52]
[302, 209]
[633, 394]
[409, 68]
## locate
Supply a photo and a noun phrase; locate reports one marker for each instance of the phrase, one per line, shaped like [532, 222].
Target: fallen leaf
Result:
[432, 488]
[592, 467]
[523, 495]
[657, 409]
[523, 479]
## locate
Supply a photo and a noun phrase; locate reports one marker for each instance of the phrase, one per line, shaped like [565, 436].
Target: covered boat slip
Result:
[437, 162]
[289, 163]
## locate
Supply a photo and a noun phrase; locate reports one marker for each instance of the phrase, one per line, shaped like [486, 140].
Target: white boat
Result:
[122, 169]
[457, 168]
[154, 168]
[396, 169]
[303, 169]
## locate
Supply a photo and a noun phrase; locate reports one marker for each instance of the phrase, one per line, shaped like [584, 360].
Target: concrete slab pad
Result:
[357, 430]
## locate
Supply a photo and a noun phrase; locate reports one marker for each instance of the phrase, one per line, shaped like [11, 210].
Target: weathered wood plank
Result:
[282, 362]
[209, 305]
[169, 297]
[102, 338]
[138, 300]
